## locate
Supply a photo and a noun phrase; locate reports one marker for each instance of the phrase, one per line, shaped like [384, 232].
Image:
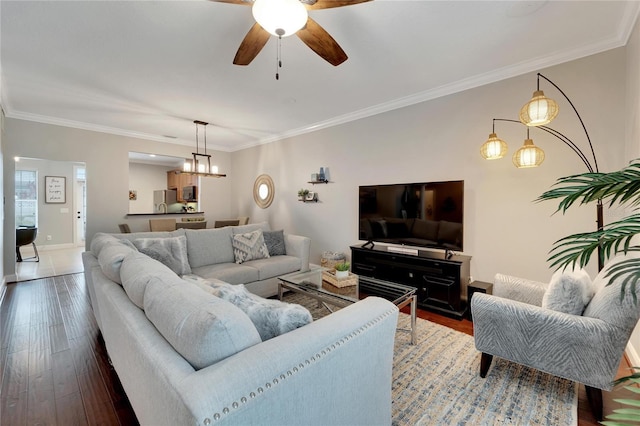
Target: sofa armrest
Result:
[586, 350]
[520, 289]
[298, 246]
[316, 375]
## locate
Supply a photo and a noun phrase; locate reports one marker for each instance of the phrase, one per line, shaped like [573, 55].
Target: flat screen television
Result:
[427, 214]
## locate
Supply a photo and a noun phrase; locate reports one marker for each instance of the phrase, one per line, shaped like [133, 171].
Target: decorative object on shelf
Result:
[302, 194]
[200, 164]
[342, 269]
[311, 196]
[321, 177]
[263, 191]
[539, 111]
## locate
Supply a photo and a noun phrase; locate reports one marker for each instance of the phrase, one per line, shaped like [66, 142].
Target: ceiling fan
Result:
[287, 17]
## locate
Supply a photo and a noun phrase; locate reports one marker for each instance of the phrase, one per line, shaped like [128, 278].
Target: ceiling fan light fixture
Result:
[280, 17]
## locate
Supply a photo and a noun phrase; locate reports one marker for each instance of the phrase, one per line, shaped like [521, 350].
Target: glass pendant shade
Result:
[280, 17]
[494, 148]
[528, 155]
[539, 110]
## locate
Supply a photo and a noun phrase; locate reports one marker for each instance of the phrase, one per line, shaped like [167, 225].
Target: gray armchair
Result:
[511, 324]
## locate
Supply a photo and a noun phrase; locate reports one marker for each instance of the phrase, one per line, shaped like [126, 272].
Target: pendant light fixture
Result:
[494, 148]
[540, 110]
[528, 155]
[200, 164]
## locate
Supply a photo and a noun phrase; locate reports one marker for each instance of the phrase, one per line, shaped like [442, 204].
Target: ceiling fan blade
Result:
[328, 4]
[240, 2]
[251, 45]
[321, 42]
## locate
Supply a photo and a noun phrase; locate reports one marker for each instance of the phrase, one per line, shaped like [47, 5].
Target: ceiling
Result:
[149, 68]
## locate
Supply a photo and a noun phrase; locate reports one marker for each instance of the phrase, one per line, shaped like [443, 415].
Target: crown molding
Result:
[470, 83]
[10, 113]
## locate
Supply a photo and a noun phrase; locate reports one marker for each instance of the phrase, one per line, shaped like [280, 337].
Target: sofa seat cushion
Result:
[231, 273]
[270, 317]
[274, 266]
[209, 246]
[204, 329]
[138, 270]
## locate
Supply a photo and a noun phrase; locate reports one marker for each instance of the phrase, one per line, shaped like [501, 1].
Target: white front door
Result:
[79, 205]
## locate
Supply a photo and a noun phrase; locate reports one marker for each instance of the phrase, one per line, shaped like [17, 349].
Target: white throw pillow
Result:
[568, 292]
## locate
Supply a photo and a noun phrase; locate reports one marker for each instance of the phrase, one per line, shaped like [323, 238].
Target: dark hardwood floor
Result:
[54, 368]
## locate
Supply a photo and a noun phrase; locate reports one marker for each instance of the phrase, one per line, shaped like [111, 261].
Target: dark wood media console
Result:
[441, 282]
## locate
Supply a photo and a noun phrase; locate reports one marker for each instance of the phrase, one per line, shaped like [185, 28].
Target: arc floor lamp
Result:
[538, 112]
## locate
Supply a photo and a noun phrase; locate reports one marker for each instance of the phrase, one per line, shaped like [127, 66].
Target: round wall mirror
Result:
[263, 191]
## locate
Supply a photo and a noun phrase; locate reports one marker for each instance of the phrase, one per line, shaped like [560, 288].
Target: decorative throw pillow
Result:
[568, 292]
[169, 251]
[249, 246]
[275, 242]
[270, 317]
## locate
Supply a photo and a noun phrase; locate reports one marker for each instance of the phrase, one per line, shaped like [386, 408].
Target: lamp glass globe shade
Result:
[280, 17]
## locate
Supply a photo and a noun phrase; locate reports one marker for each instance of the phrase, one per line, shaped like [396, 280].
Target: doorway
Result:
[61, 223]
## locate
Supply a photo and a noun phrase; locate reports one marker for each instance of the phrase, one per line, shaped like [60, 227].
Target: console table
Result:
[441, 282]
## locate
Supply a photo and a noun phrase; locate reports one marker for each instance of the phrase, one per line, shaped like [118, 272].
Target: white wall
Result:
[106, 158]
[633, 137]
[505, 231]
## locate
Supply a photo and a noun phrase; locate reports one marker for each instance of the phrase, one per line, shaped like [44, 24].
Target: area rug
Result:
[436, 382]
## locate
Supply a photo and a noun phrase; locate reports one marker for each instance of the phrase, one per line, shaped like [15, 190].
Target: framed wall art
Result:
[55, 189]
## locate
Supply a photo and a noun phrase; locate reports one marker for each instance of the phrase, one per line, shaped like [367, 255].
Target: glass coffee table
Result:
[317, 283]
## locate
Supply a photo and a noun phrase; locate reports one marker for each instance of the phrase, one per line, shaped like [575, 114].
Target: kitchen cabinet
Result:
[178, 181]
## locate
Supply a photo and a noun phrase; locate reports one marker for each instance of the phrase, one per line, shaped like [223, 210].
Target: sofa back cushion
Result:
[607, 304]
[138, 270]
[263, 226]
[209, 246]
[204, 329]
[110, 258]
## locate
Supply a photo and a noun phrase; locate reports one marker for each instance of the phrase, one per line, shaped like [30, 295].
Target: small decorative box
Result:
[330, 277]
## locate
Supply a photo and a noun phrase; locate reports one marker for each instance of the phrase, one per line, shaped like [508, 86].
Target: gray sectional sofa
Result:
[185, 356]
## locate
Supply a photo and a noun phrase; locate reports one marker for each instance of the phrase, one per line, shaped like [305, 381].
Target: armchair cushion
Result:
[568, 292]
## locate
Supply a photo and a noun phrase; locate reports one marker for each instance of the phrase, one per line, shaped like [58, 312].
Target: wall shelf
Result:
[314, 182]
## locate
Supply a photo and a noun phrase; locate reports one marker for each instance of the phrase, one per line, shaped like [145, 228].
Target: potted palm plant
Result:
[620, 188]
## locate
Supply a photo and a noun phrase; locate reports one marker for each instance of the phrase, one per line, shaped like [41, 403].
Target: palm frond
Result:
[576, 249]
[622, 187]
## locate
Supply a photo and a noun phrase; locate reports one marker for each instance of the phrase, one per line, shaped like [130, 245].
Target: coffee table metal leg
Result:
[414, 301]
